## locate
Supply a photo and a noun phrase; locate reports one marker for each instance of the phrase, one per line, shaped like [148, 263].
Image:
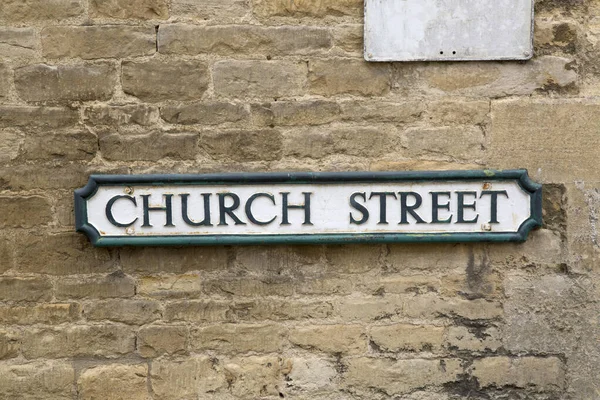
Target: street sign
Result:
[448, 206]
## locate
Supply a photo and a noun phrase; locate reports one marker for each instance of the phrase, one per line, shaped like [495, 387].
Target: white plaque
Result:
[448, 30]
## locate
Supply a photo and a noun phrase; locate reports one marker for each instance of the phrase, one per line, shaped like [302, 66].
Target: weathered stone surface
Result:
[431, 306]
[156, 80]
[155, 340]
[113, 285]
[38, 117]
[524, 131]
[368, 309]
[287, 113]
[25, 289]
[171, 286]
[259, 78]
[243, 145]
[80, 145]
[5, 80]
[331, 338]
[311, 374]
[7, 253]
[538, 308]
[114, 381]
[187, 378]
[486, 79]
[14, 11]
[134, 312]
[221, 10]
[64, 83]
[398, 284]
[135, 9]
[10, 144]
[239, 39]
[91, 42]
[349, 37]
[48, 314]
[281, 310]
[313, 8]
[463, 338]
[197, 311]
[333, 77]
[233, 338]
[360, 142]
[252, 376]
[134, 114]
[251, 287]
[24, 212]
[402, 337]
[174, 260]
[61, 254]
[446, 143]
[18, 43]
[432, 257]
[77, 341]
[353, 258]
[382, 111]
[401, 376]
[544, 374]
[205, 113]
[9, 344]
[150, 147]
[446, 112]
[37, 380]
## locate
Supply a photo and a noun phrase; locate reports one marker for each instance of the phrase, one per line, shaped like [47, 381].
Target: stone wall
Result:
[192, 86]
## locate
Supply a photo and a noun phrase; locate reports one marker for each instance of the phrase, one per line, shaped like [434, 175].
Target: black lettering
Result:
[494, 206]
[184, 210]
[249, 208]
[359, 207]
[109, 213]
[460, 214]
[285, 208]
[228, 210]
[382, 205]
[167, 208]
[436, 206]
[405, 209]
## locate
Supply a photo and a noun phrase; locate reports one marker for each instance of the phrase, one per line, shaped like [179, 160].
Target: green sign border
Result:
[520, 175]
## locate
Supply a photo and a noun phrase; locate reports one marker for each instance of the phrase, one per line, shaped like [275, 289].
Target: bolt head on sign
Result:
[448, 30]
[382, 207]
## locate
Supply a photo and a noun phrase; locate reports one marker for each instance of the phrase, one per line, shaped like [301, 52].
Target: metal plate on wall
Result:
[448, 30]
[445, 206]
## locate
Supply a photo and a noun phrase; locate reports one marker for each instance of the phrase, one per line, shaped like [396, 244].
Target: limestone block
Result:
[78, 341]
[259, 78]
[24, 211]
[544, 374]
[157, 80]
[101, 287]
[114, 382]
[135, 9]
[342, 339]
[403, 337]
[64, 83]
[92, 42]
[25, 289]
[135, 312]
[332, 77]
[150, 147]
[242, 39]
[155, 340]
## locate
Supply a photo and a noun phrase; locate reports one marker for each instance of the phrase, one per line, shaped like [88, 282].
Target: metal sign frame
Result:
[96, 181]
